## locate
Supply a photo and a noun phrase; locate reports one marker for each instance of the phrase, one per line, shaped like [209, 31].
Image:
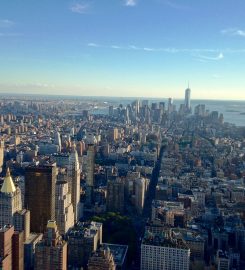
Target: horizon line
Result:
[116, 97]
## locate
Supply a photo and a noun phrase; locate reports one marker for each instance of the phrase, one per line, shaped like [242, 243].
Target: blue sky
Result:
[123, 47]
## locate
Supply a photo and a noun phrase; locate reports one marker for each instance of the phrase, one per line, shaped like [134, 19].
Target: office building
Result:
[22, 222]
[101, 260]
[90, 173]
[51, 252]
[30, 249]
[222, 260]
[57, 140]
[115, 195]
[10, 200]
[64, 214]
[18, 250]
[40, 195]
[83, 240]
[90, 165]
[159, 252]
[188, 99]
[140, 192]
[6, 234]
[1, 154]
[74, 182]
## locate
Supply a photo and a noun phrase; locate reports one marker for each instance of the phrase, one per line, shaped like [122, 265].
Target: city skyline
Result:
[130, 48]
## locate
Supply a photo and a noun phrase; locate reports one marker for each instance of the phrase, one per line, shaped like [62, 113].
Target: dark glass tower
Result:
[40, 195]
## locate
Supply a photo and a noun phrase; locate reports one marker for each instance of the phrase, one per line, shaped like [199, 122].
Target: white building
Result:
[64, 214]
[140, 192]
[160, 253]
[74, 182]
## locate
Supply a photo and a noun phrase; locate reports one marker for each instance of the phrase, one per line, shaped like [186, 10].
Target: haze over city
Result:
[123, 48]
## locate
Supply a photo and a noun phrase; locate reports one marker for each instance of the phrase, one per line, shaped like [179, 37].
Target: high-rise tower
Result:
[1, 154]
[57, 140]
[40, 195]
[51, 252]
[188, 98]
[115, 195]
[90, 172]
[74, 182]
[64, 214]
[10, 200]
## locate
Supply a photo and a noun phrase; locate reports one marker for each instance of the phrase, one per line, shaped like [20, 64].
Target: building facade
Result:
[64, 214]
[51, 252]
[115, 195]
[158, 252]
[10, 201]
[74, 182]
[40, 195]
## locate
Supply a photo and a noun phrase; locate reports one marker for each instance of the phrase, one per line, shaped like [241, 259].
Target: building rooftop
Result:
[161, 240]
[119, 252]
[85, 229]
[32, 237]
[5, 228]
[8, 184]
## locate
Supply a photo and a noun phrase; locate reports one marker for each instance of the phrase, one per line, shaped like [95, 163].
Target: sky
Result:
[139, 48]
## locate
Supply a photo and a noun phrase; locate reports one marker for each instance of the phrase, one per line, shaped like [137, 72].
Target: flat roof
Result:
[118, 252]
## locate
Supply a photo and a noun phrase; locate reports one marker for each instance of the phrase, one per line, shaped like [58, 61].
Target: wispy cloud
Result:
[174, 5]
[149, 49]
[80, 8]
[203, 54]
[130, 3]
[218, 57]
[116, 47]
[233, 32]
[133, 47]
[91, 44]
[6, 23]
[33, 85]
[10, 35]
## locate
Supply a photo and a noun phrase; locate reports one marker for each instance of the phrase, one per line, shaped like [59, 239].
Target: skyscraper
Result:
[40, 195]
[51, 252]
[90, 165]
[115, 195]
[6, 234]
[22, 222]
[140, 190]
[64, 214]
[57, 140]
[74, 182]
[90, 173]
[1, 154]
[10, 200]
[188, 99]
[170, 105]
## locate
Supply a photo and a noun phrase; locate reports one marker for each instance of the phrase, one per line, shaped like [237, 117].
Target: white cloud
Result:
[116, 47]
[199, 53]
[130, 3]
[6, 23]
[233, 32]
[91, 44]
[219, 57]
[80, 8]
[149, 49]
